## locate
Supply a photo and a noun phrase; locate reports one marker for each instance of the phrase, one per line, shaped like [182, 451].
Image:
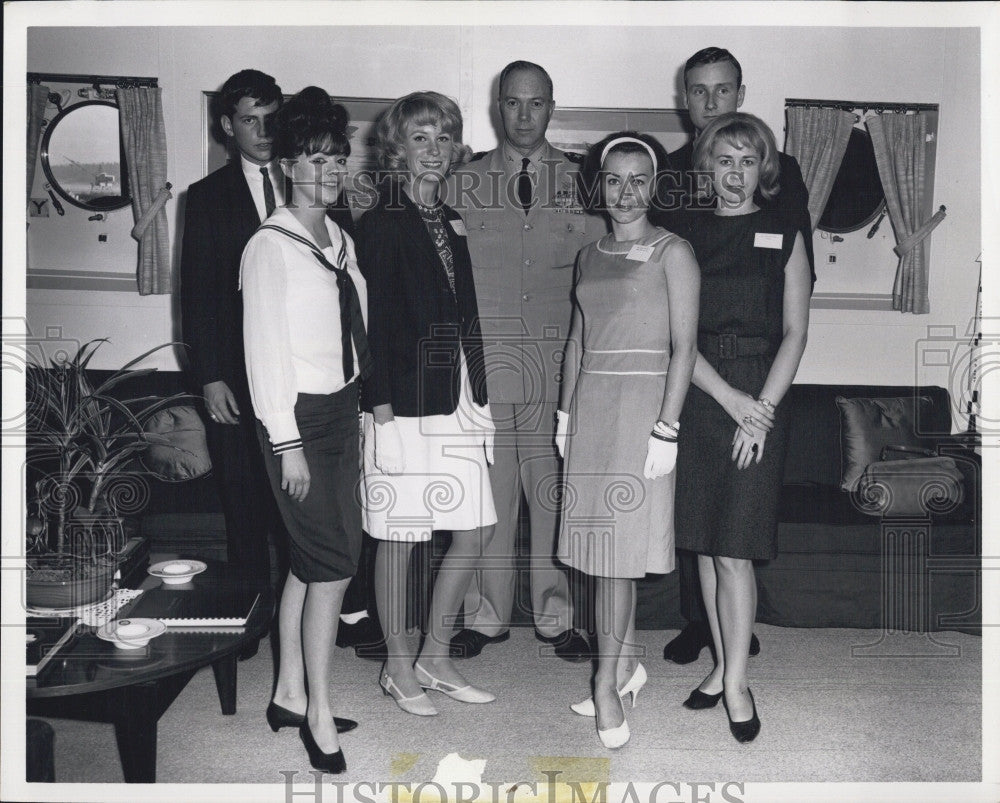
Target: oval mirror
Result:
[82, 156]
[856, 198]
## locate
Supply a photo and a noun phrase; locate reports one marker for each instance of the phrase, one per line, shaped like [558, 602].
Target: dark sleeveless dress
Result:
[719, 509]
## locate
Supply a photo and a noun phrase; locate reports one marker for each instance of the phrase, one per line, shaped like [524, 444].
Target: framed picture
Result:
[576, 129]
[362, 114]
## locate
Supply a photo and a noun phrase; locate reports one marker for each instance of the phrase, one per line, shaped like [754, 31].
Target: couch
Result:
[837, 566]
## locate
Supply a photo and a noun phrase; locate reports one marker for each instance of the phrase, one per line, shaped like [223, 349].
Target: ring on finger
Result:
[747, 419]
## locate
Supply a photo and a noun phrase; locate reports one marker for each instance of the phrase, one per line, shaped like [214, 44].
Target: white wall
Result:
[592, 66]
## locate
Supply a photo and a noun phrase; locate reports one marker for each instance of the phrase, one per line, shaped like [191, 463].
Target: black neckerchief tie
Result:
[352, 322]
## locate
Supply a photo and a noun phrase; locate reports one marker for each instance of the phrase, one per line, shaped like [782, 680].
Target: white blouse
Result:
[291, 323]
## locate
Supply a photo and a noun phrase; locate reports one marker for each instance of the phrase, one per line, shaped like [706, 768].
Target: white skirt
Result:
[445, 484]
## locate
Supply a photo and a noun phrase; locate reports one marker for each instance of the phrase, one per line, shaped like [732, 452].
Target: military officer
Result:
[521, 204]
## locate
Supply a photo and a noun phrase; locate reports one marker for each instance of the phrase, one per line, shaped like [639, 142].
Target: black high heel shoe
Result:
[280, 717]
[334, 763]
[698, 700]
[745, 730]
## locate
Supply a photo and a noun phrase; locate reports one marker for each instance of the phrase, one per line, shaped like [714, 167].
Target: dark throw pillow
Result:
[869, 425]
[180, 452]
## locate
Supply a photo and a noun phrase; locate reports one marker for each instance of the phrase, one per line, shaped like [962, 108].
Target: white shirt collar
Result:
[252, 170]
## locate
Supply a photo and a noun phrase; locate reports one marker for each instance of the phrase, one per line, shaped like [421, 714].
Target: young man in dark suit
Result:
[223, 210]
[713, 86]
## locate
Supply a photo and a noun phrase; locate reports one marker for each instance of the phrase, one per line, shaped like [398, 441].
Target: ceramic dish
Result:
[131, 634]
[174, 572]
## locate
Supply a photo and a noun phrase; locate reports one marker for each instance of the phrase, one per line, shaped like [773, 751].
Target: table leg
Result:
[135, 731]
[225, 682]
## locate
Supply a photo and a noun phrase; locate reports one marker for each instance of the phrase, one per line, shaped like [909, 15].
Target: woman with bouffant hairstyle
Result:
[417, 109]
[428, 428]
[306, 350]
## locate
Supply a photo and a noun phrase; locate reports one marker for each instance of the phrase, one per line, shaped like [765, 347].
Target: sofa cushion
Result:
[813, 454]
[819, 504]
[869, 425]
[182, 451]
[957, 539]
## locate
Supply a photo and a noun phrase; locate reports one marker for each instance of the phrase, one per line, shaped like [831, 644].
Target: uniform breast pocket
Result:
[568, 236]
[485, 238]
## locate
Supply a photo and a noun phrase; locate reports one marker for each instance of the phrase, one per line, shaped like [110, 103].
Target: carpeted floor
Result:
[836, 705]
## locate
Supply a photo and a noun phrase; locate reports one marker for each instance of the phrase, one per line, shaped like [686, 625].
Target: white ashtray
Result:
[174, 572]
[131, 634]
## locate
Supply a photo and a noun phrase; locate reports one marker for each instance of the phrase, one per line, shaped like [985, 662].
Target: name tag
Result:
[762, 240]
[640, 253]
[459, 226]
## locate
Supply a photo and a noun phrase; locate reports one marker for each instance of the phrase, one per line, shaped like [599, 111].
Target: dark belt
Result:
[731, 347]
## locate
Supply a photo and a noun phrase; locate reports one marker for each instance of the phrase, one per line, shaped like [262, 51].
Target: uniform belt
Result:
[731, 347]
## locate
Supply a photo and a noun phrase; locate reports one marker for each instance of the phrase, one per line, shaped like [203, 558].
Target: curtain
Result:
[38, 97]
[900, 143]
[145, 142]
[817, 138]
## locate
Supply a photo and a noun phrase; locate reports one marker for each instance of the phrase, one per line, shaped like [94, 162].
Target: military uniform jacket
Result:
[523, 267]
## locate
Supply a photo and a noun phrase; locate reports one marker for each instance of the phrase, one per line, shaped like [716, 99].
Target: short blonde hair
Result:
[742, 130]
[418, 108]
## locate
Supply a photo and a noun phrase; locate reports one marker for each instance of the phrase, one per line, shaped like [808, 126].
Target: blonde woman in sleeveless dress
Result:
[631, 352]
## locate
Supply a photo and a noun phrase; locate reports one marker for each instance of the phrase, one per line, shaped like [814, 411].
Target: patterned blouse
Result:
[434, 220]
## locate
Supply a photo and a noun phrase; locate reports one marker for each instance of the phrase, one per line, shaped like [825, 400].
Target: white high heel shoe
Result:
[585, 708]
[613, 738]
[419, 705]
[464, 694]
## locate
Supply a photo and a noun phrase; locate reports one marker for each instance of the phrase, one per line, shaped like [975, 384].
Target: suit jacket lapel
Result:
[246, 219]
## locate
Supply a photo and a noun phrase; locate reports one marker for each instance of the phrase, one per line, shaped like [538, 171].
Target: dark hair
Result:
[742, 130]
[592, 173]
[713, 55]
[418, 108]
[514, 66]
[246, 84]
[310, 123]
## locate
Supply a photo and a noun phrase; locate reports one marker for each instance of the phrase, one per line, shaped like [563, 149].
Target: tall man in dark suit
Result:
[223, 211]
[713, 85]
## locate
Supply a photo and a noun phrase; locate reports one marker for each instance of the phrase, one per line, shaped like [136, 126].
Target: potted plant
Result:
[81, 441]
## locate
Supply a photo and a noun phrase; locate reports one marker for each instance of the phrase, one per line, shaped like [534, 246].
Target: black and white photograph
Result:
[396, 392]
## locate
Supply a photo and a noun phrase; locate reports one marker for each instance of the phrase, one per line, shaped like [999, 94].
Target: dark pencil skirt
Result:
[325, 528]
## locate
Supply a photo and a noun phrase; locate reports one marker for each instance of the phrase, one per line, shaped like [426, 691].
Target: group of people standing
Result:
[561, 333]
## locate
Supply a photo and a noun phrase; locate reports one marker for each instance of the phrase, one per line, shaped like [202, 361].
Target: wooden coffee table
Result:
[94, 680]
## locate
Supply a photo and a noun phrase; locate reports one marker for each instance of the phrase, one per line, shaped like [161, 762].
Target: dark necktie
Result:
[352, 322]
[524, 189]
[268, 192]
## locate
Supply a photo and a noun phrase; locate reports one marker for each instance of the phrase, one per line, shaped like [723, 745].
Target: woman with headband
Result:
[753, 317]
[631, 351]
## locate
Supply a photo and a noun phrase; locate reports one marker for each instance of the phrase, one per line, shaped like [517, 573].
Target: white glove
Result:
[389, 448]
[484, 423]
[562, 424]
[661, 457]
